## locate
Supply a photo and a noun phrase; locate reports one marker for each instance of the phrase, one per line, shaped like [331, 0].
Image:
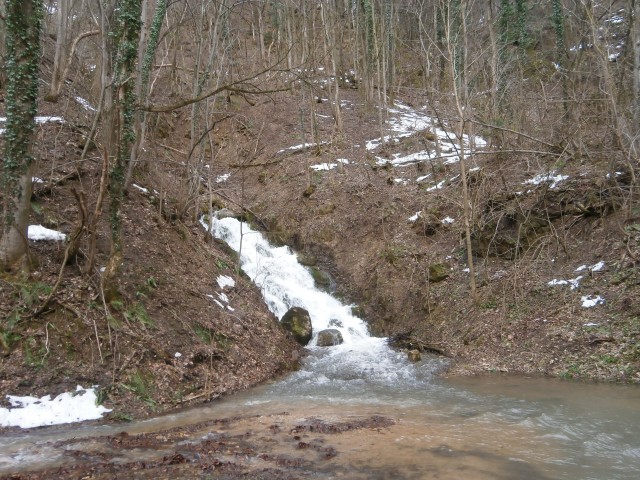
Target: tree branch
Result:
[232, 87]
[555, 147]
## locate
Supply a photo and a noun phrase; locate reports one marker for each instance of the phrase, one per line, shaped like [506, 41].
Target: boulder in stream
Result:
[414, 355]
[298, 322]
[329, 337]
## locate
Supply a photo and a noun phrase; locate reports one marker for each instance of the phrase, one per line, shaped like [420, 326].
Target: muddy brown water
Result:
[471, 428]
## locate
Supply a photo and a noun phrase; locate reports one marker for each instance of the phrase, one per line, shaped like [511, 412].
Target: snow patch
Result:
[301, 146]
[551, 178]
[30, 412]
[415, 217]
[589, 301]
[437, 186]
[593, 268]
[38, 232]
[223, 178]
[41, 120]
[224, 281]
[323, 167]
[573, 282]
[85, 104]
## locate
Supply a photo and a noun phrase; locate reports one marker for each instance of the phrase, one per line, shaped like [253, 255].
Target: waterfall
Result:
[359, 366]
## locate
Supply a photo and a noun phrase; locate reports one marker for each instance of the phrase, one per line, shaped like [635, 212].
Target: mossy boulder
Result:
[307, 259]
[438, 272]
[298, 322]
[321, 279]
[329, 338]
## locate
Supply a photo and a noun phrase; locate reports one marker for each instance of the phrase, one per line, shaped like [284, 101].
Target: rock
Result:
[226, 213]
[329, 338]
[309, 191]
[321, 279]
[334, 322]
[298, 322]
[438, 272]
[307, 259]
[414, 356]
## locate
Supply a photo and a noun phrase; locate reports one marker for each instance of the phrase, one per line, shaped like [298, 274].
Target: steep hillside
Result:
[171, 338]
[383, 227]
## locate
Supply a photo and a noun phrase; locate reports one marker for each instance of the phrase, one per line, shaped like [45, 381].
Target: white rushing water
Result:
[361, 365]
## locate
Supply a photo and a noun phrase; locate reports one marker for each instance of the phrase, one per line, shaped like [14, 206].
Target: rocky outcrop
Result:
[298, 322]
[329, 338]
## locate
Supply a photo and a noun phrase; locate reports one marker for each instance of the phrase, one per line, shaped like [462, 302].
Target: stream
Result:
[360, 410]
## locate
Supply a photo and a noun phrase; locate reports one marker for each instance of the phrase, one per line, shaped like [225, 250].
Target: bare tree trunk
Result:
[329, 20]
[456, 44]
[62, 21]
[636, 69]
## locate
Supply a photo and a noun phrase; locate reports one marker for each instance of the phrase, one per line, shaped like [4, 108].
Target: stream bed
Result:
[357, 410]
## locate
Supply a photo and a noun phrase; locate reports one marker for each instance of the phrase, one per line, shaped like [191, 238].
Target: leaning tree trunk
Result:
[23, 27]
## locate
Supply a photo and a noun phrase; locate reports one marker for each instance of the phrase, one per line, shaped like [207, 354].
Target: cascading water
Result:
[362, 365]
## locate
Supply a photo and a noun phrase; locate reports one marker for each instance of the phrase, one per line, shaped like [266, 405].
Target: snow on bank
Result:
[302, 146]
[38, 232]
[30, 412]
[590, 301]
[404, 121]
[573, 282]
[224, 281]
[85, 104]
[551, 178]
[320, 167]
[593, 268]
[39, 121]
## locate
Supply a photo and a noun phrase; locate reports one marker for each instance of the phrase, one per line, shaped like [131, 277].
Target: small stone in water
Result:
[414, 356]
[329, 338]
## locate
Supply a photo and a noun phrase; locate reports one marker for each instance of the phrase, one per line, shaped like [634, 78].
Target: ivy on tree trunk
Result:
[125, 34]
[23, 27]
